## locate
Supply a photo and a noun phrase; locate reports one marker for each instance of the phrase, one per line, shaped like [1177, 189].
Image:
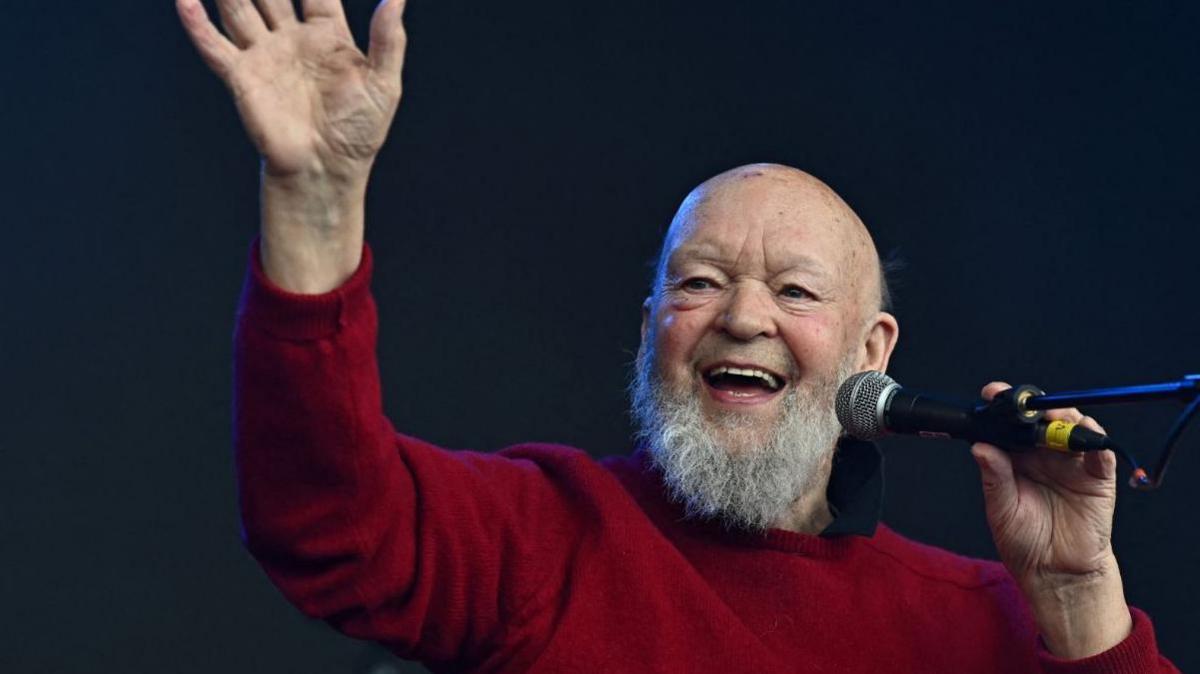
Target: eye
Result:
[697, 283]
[793, 292]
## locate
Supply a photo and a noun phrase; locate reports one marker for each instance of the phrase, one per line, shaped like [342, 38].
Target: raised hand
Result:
[318, 110]
[312, 103]
[1051, 518]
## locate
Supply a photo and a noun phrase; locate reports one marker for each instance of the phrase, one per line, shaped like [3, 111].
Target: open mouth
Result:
[742, 383]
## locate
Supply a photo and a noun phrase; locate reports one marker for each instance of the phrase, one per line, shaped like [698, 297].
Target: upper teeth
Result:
[765, 376]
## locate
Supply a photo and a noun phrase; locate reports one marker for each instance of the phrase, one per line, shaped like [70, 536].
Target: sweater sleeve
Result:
[1137, 654]
[387, 537]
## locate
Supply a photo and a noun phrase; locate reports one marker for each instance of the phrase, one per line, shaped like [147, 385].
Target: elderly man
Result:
[742, 535]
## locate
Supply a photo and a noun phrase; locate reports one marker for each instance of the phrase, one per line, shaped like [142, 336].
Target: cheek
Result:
[677, 336]
[817, 342]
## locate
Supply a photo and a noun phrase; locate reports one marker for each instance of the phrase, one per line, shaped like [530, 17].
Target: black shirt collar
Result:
[855, 491]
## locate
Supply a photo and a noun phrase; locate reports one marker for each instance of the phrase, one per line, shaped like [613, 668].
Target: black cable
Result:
[1144, 483]
[1137, 478]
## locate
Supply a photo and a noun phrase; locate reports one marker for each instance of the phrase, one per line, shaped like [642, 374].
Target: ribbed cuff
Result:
[296, 316]
[1136, 654]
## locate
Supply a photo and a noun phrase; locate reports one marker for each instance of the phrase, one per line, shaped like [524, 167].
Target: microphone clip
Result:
[1007, 421]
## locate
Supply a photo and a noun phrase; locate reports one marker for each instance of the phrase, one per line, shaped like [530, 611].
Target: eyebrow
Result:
[704, 252]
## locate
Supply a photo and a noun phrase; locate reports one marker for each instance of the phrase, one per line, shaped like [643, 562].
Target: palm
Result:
[308, 96]
[1050, 513]
[1061, 519]
[310, 100]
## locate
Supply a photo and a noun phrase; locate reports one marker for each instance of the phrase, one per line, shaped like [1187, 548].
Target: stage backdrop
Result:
[1033, 164]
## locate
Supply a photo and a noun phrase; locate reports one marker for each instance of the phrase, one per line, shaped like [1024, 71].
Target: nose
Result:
[749, 312]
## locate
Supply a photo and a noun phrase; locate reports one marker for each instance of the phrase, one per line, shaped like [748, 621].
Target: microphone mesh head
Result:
[858, 404]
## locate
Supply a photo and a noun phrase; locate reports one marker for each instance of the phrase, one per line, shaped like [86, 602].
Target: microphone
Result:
[871, 404]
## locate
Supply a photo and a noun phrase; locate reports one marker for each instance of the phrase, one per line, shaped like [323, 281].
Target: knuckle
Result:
[990, 389]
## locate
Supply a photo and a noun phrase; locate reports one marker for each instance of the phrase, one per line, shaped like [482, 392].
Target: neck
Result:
[809, 514]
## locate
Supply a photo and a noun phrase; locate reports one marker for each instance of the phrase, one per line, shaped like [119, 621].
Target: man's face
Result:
[762, 293]
[759, 313]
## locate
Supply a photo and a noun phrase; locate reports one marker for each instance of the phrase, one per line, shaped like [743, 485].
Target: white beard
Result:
[726, 469]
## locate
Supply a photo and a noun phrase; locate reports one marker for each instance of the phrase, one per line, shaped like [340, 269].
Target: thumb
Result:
[388, 39]
[999, 483]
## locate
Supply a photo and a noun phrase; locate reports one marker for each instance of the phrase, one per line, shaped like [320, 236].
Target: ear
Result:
[878, 342]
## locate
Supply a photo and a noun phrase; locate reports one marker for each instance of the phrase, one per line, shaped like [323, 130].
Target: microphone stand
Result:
[1183, 390]
[1186, 390]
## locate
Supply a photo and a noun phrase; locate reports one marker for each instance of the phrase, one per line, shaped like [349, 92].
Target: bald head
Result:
[774, 196]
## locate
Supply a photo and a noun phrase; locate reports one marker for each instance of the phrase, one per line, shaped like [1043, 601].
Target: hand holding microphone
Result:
[1050, 512]
[871, 404]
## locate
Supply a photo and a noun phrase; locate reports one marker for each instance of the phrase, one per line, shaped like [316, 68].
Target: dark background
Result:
[1035, 165]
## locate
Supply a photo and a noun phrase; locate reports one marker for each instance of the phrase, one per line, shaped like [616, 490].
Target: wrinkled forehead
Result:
[764, 222]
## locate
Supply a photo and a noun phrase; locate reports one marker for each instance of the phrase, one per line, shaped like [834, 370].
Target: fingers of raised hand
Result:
[278, 13]
[388, 39]
[216, 50]
[242, 21]
[329, 9]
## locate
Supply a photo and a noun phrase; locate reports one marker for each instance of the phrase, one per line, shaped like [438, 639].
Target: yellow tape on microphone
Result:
[1058, 435]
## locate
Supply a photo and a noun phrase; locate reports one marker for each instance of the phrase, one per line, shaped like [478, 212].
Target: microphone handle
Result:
[920, 414]
[915, 413]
